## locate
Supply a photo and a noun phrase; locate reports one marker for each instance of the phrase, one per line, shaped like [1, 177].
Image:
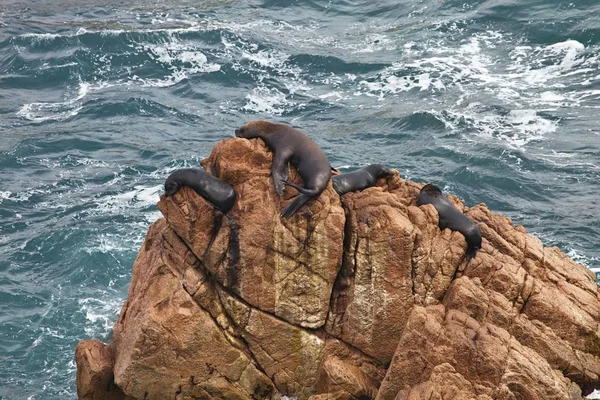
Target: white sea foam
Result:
[139, 197]
[594, 395]
[182, 60]
[100, 313]
[22, 195]
[40, 112]
[109, 243]
[47, 66]
[517, 128]
[149, 195]
[267, 58]
[189, 26]
[592, 263]
[335, 96]
[390, 83]
[43, 36]
[534, 77]
[59, 111]
[265, 100]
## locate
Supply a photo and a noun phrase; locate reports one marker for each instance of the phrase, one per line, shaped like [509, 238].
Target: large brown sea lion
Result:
[291, 145]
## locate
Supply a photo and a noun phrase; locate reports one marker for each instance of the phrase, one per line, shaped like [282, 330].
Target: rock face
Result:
[285, 267]
[358, 298]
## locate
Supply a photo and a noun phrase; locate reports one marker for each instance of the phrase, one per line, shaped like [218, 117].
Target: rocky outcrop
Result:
[357, 298]
[95, 380]
[285, 267]
[443, 350]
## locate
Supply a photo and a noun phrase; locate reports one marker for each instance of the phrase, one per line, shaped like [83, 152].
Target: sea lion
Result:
[218, 193]
[450, 217]
[291, 145]
[360, 179]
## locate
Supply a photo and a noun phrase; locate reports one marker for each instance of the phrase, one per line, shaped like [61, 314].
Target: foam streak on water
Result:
[99, 101]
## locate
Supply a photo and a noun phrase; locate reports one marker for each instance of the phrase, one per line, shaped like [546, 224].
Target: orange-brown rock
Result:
[395, 257]
[348, 291]
[486, 362]
[166, 341]
[282, 266]
[444, 383]
[95, 372]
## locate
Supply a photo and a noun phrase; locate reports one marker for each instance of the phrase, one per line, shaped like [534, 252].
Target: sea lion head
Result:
[381, 171]
[255, 129]
[431, 190]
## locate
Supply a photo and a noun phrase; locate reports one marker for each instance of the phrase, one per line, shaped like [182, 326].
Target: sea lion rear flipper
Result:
[298, 188]
[279, 173]
[295, 205]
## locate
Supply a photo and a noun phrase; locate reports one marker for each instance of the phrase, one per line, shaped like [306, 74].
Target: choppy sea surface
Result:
[497, 101]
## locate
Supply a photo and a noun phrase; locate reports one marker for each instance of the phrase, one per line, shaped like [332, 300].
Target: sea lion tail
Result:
[298, 188]
[295, 205]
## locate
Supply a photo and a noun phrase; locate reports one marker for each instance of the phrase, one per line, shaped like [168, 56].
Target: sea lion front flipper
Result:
[279, 172]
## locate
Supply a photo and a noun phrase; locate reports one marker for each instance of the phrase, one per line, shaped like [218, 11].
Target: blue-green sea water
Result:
[497, 101]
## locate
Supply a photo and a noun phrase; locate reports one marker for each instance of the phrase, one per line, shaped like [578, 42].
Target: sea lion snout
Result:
[239, 132]
[384, 172]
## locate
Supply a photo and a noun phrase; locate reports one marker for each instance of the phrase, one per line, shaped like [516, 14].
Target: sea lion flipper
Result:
[298, 188]
[279, 173]
[295, 205]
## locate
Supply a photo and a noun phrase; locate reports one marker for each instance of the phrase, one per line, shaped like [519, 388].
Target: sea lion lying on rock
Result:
[451, 218]
[218, 193]
[360, 179]
[291, 145]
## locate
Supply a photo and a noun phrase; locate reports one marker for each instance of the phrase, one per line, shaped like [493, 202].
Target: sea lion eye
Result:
[242, 130]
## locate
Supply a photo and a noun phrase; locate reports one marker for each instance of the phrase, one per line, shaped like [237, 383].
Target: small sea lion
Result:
[451, 217]
[218, 193]
[291, 145]
[360, 179]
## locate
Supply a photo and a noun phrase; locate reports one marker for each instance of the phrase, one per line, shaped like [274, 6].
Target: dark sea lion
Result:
[360, 179]
[451, 217]
[210, 188]
[291, 145]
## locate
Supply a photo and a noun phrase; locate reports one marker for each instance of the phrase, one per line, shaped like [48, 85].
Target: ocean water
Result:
[494, 100]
